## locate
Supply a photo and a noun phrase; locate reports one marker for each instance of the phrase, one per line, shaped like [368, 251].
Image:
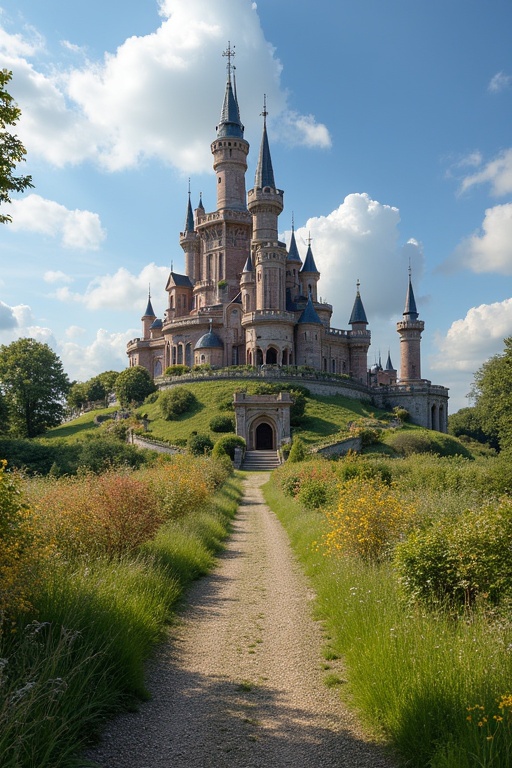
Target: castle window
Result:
[221, 267]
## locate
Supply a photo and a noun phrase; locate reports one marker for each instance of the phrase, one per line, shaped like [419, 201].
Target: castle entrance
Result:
[271, 356]
[264, 437]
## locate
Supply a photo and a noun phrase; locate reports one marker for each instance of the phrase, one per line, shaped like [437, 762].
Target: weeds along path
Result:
[240, 682]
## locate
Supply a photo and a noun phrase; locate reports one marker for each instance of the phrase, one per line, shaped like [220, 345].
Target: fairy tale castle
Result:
[247, 298]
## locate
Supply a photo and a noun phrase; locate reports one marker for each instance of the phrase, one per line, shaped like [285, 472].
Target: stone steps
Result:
[260, 461]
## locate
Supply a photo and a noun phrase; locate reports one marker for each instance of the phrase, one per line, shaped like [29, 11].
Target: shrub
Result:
[176, 370]
[133, 385]
[198, 444]
[370, 517]
[460, 559]
[175, 401]
[152, 398]
[229, 442]
[402, 414]
[226, 404]
[98, 454]
[297, 451]
[222, 423]
[426, 441]
[353, 465]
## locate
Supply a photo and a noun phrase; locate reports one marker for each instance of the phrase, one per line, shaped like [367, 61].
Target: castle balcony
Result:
[267, 315]
[336, 332]
[225, 215]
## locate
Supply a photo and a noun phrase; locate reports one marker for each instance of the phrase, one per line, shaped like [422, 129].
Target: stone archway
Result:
[271, 356]
[264, 437]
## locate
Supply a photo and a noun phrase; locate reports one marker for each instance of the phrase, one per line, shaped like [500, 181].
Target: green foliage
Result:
[133, 385]
[297, 451]
[460, 559]
[297, 392]
[468, 422]
[98, 454]
[492, 389]
[199, 444]
[229, 442]
[12, 150]
[175, 401]
[401, 413]
[408, 442]
[34, 386]
[176, 370]
[222, 423]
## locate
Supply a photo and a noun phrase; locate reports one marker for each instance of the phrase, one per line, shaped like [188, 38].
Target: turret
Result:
[148, 318]
[293, 267]
[309, 337]
[309, 275]
[247, 286]
[189, 241]
[230, 149]
[410, 330]
[359, 340]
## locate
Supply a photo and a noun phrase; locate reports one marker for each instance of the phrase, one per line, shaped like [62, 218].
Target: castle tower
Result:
[410, 330]
[309, 275]
[230, 149]
[247, 286]
[269, 327]
[293, 268]
[190, 243]
[148, 318]
[308, 338]
[359, 340]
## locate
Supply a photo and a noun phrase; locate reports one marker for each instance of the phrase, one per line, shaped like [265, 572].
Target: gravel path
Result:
[241, 681]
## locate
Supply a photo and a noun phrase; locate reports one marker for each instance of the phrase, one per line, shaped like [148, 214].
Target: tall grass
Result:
[78, 655]
[413, 674]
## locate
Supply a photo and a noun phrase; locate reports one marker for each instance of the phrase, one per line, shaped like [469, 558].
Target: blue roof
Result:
[358, 314]
[149, 309]
[293, 251]
[309, 314]
[389, 364]
[230, 124]
[156, 324]
[309, 264]
[182, 280]
[189, 221]
[410, 303]
[208, 341]
[264, 172]
[248, 265]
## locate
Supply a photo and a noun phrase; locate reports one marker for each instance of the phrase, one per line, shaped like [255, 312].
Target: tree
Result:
[133, 385]
[34, 385]
[492, 390]
[12, 150]
[467, 422]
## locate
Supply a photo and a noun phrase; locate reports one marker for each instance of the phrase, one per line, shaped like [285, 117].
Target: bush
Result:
[222, 424]
[369, 519]
[176, 370]
[402, 414]
[198, 444]
[229, 442]
[460, 559]
[297, 451]
[175, 401]
[98, 454]
[426, 441]
[133, 385]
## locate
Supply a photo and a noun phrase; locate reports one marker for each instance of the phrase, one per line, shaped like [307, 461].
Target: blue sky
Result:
[390, 132]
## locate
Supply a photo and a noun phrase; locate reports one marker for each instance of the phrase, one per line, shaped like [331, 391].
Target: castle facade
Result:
[247, 298]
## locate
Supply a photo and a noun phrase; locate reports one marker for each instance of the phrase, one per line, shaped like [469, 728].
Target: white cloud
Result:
[107, 352]
[18, 45]
[500, 82]
[149, 98]
[497, 173]
[24, 326]
[7, 317]
[489, 250]
[76, 229]
[74, 332]
[121, 290]
[357, 241]
[56, 276]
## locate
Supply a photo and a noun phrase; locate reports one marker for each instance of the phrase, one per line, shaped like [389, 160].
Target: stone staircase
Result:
[260, 461]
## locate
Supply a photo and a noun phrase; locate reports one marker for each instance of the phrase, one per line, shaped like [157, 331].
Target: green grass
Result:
[412, 674]
[81, 656]
[78, 428]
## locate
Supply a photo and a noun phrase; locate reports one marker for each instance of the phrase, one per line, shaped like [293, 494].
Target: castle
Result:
[248, 299]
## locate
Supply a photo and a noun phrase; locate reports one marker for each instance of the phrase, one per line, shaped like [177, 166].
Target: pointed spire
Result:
[189, 221]
[248, 265]
[410, 311]
[389, 364]
[309, 313]
[309, 263]
[358, 314]
[200, 205]
[264, 171]
[293, 251]
[230, 124]
[149, 309]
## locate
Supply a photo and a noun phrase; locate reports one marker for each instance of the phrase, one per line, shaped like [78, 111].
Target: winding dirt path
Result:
[240, 683]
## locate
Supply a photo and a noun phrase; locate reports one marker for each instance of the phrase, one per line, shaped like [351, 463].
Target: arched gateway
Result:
[264, 437]
[263, 420]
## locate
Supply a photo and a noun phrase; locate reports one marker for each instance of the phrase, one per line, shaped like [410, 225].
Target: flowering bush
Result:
[369, 518]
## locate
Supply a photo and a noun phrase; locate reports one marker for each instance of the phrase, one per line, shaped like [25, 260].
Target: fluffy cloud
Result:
[500, 82]
[123, 109]
[107, 352]
[7, 317]
[121, 290]
[19, 322]
[489, 250]
[497, 173]
[56, 276]
[357, 241]
[76, 229]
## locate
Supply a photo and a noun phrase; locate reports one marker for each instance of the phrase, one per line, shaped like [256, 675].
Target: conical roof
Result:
[248, 265]
[389, 364]
[309, 314]
[189, 220]
[293, 251]
[309, 263]
[230, 124]
[264, 172]
[149, 309]
[410, 310]
[358, 314]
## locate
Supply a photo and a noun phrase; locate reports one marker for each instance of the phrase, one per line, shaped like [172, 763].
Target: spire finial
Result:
[358, 285]
[211, 323]
[229, 53]
[149, 290]
[172, 268]
[293, 222]
[309, 238]
[189, 186]
[264, 113]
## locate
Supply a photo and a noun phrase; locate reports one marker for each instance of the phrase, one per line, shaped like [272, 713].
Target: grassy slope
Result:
[325, 416]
